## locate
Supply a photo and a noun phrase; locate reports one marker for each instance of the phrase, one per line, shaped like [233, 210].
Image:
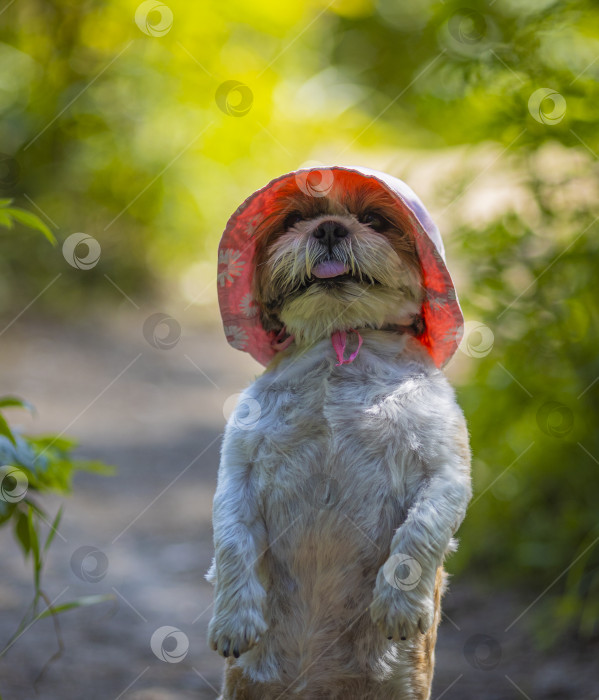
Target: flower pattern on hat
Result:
[233, 263]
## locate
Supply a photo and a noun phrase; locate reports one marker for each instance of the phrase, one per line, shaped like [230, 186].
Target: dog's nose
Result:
[329, 232]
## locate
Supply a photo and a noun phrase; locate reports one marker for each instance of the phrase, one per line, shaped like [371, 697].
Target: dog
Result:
[345, 467]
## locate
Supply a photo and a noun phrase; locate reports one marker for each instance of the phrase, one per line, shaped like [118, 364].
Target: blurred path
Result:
[158, 415]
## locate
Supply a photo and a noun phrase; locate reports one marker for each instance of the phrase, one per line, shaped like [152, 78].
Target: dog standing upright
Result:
[345, 467]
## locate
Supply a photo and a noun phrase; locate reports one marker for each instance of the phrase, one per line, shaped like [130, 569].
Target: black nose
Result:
[329, 232]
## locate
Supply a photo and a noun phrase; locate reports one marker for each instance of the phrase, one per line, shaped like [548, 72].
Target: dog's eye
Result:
[374, 220]
[291, 220]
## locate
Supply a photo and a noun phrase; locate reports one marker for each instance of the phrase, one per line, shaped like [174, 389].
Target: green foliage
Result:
[45, 462]
[8, 216]
[31, 466]
[532, 407]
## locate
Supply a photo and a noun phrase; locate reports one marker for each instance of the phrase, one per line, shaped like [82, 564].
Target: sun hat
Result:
[442, 317]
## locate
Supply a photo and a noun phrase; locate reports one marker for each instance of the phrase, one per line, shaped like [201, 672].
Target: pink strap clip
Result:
[338, 339]
[280, 342]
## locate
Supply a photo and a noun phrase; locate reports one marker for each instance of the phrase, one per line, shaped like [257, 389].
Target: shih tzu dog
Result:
[345, 467]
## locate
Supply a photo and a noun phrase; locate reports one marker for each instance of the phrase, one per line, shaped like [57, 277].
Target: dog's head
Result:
[343, 260]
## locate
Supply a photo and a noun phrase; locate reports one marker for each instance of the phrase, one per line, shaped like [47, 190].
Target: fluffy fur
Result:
[384, 284]
[339, 487]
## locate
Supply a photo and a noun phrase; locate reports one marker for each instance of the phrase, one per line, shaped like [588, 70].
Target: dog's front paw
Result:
[401, 607]
[236, 632]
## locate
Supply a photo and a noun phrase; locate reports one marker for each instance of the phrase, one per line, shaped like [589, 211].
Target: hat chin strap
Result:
[339, 339]
[280, 342]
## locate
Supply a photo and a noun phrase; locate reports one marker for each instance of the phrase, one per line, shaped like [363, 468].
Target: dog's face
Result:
[344, 260]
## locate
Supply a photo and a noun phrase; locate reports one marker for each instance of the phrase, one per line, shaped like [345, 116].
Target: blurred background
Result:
[133, 131]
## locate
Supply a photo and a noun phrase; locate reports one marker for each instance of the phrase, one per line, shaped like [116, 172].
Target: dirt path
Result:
[158, 415]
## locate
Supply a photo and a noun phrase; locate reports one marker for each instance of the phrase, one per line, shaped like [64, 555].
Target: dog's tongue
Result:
[330, 268]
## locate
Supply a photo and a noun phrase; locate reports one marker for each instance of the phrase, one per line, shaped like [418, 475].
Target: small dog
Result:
[344, 475]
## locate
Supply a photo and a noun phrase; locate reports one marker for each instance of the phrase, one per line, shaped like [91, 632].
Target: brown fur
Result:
[422, 658]
[344, 198]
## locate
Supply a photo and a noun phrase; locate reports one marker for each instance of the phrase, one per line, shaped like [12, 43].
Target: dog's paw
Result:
[235, 633]
[401, 612]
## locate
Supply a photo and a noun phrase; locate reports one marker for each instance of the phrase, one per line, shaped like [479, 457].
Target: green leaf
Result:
[79, 603]
[35, 547]
[6, 511]
[5, 202]
[53, 529]
[22, 532]
[5, 219]
[9, 401]
[32, 221]
[5, 430]
[62, 444]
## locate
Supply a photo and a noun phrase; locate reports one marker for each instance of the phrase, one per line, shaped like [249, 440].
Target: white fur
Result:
[341, 469]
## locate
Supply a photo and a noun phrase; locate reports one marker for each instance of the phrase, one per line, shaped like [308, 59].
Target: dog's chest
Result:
[331, 420]
[333, 463]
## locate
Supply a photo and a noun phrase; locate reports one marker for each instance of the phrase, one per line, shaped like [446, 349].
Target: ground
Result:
[158, 415]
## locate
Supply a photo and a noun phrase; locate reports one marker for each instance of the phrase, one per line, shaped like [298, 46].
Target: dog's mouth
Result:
[332, 273]
[329, 269]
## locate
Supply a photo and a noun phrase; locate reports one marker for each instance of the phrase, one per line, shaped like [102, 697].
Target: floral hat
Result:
[441, 313]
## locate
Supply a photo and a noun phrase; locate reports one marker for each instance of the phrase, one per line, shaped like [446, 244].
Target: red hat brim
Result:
[443, 319]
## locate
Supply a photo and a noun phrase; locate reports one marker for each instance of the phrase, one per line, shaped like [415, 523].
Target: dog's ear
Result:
[269, 316]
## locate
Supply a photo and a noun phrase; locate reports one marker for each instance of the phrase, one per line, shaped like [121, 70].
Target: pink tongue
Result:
[330, 268]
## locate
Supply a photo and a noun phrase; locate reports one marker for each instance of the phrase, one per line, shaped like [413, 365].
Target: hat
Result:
[441, 313]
